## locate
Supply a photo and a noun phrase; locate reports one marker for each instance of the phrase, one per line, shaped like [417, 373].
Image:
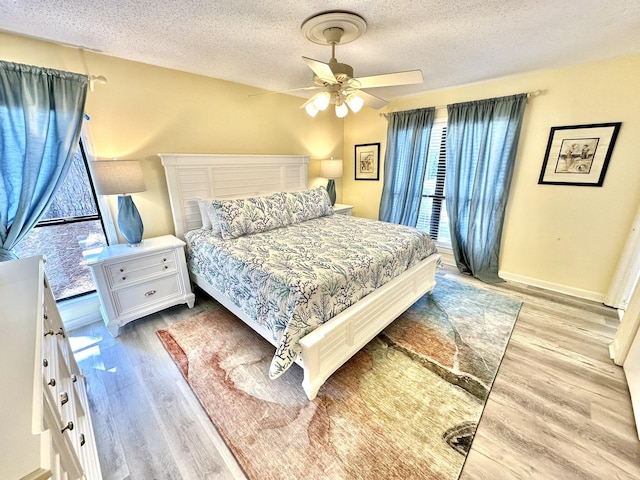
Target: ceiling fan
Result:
[335, 79]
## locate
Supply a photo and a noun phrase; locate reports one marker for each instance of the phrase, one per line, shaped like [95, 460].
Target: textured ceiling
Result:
[259, 43]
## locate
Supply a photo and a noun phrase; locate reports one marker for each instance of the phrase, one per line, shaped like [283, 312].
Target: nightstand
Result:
[136, 281]
[341, 209]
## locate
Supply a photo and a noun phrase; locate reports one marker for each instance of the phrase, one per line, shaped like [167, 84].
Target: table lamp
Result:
[331, 169]
[122, 177]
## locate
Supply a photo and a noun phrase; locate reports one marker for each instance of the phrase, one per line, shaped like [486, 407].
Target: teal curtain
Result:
[40, 120]
[482, 138]
[405, 162]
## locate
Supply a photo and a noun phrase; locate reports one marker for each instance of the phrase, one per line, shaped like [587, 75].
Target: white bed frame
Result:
[329, 346]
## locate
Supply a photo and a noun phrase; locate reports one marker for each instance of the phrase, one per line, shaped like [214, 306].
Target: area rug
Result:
[405, 407]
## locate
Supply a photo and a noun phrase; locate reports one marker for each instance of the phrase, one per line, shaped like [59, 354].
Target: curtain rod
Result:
[96, 78]
[534, 93]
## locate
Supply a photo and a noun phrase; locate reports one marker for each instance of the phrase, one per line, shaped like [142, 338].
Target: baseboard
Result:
[446, 256]
[613, 351]
[448, 259]
[554, 287]
[79, 312]
[614, 346]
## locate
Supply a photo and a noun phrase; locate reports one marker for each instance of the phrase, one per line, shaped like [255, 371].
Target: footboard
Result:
[329, 346]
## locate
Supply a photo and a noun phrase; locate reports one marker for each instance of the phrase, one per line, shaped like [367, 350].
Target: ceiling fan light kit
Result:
[341, 110]
[335, 79]
[322, 100]
[311, 109]
[355, 102]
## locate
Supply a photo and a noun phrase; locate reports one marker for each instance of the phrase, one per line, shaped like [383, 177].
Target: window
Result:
[432, 216]
[71, 224]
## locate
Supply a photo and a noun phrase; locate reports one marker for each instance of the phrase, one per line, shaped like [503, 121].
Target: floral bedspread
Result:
[293, 279]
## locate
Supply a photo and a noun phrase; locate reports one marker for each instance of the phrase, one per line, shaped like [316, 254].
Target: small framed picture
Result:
[367, 159]
[579, 154]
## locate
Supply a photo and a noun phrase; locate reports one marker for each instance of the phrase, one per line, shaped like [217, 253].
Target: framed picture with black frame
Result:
[579, 154]
[367, 161]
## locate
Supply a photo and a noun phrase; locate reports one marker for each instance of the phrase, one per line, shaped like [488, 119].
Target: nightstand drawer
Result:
[124, 273]
[147, 293]
[135, 282]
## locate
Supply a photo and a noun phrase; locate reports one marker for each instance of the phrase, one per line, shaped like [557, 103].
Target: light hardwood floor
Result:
[559, 408]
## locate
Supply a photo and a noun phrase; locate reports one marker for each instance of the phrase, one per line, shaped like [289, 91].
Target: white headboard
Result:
[192, 176]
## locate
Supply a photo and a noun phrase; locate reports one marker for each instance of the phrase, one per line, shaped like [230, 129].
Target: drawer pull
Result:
[74, 378]
[124, 278]
[52, 382]
[164, 259]
[45, 363]
[64, 398]
[68, 427]
[149, 293]
[166, 267]
[59, 332]
[46, 317]
[82, 440]
[121, 270]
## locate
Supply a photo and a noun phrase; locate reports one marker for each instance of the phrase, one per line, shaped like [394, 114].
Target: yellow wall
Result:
[565, 238]
[560, 237]
[144, 110]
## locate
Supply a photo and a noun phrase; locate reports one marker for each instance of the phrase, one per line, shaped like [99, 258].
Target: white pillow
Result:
[206, 223]
[209, 217]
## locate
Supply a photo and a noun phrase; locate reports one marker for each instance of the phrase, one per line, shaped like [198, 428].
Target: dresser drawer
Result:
[147, 293]
[130, 271]
[47, 430]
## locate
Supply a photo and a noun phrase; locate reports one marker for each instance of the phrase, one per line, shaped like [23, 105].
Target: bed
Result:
[320, 350]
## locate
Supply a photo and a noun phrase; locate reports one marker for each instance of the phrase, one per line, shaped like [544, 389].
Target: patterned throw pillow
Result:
[308, 204]
[251, 215]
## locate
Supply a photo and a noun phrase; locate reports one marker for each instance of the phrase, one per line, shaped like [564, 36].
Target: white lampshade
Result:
[321, 100]
[355, 102]
[341, 110]
[117, 177]
[311, 109]
[331, 168]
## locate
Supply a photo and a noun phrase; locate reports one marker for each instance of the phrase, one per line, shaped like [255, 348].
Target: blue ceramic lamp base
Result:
[331, 190]
[129, 220]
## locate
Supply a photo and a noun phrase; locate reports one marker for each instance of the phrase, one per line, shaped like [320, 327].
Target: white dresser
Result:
[46, 423]
[136, 281]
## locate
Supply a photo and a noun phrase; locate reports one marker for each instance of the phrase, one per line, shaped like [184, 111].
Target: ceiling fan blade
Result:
[322, 70]
[391, 79]
[285, 91]
[371, 100]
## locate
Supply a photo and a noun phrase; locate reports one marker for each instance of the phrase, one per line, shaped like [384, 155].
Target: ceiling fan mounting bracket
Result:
[333, 35]
[329, 28]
